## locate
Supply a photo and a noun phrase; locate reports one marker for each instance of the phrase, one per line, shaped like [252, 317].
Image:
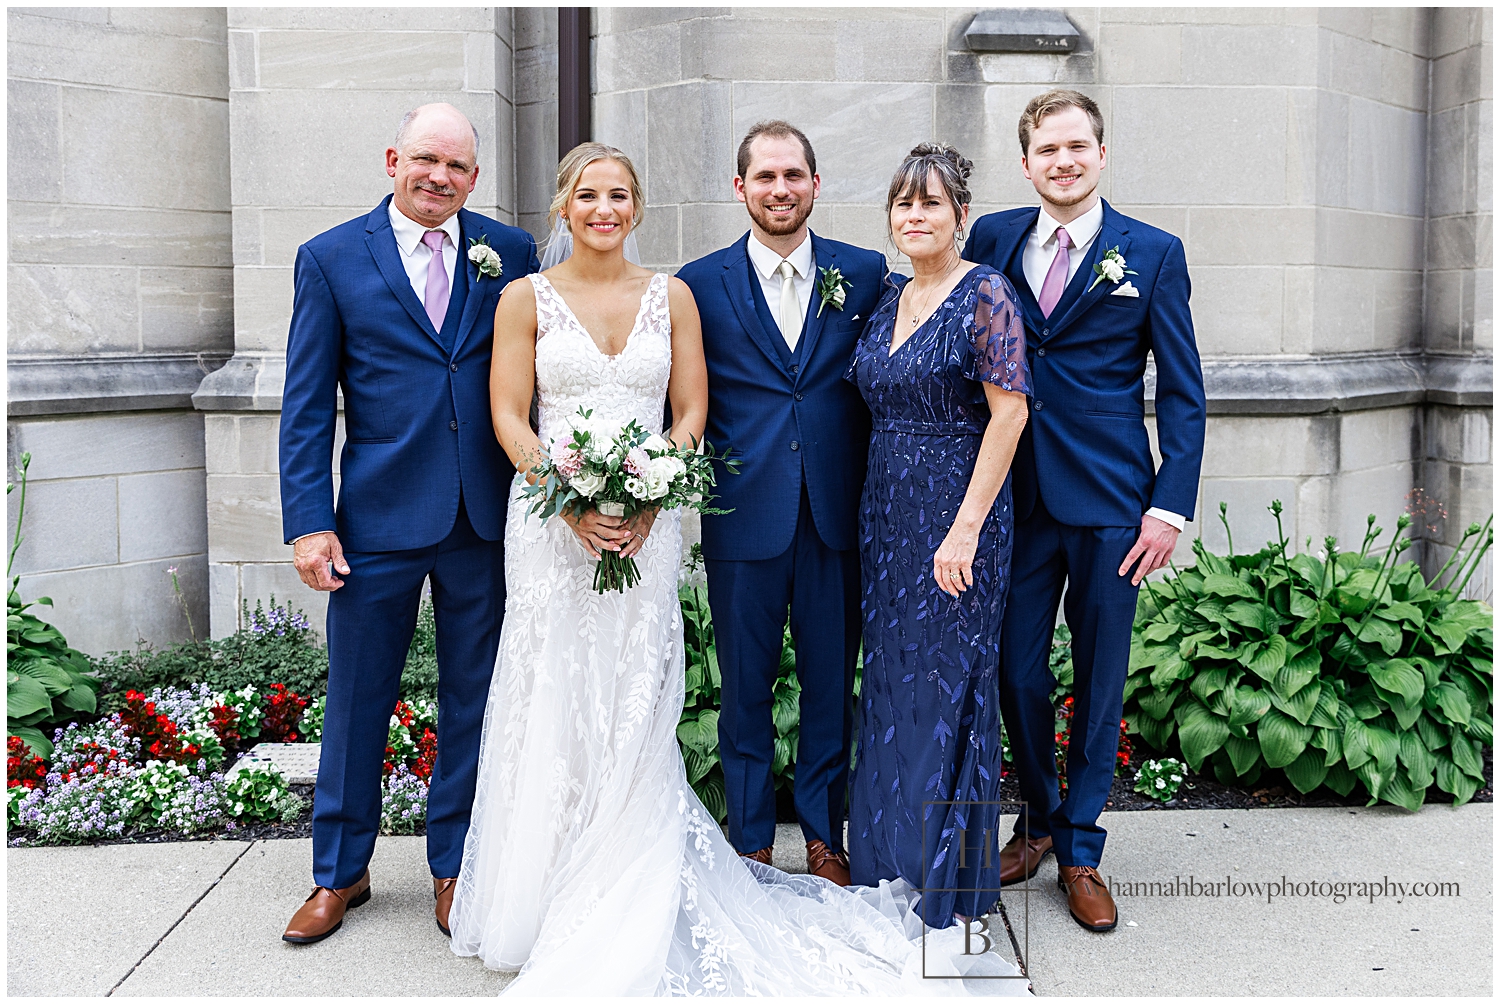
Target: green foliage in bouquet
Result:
[1343, 669]
[45, 681]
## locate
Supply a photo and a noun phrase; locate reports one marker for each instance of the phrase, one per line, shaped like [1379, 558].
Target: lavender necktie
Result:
[1055, 282]
[436, 300]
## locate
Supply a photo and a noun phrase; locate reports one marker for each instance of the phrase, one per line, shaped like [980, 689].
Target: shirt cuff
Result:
[1170, 518]
[294, 540]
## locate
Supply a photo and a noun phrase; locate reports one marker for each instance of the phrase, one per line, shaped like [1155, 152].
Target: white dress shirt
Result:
[1037, 257]
[1041, 246]
[415, 255]
[766, 262]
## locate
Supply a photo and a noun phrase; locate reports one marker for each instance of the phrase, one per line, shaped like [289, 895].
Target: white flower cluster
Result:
[1160, 779]
[1113, 269]
[486, 258]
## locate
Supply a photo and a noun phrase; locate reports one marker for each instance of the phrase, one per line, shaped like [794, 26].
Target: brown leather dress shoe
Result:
[323, 912]
[763, 855]
[442, 891]
[825, 863]
[1020, 859]
[1089, 900]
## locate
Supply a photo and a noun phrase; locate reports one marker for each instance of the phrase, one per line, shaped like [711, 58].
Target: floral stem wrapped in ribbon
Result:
[621, 470]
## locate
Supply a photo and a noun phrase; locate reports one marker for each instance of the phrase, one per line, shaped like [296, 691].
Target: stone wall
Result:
[1458, 436]
[120, 300]
[1288, 148]
[1329, 171]
[315, 96]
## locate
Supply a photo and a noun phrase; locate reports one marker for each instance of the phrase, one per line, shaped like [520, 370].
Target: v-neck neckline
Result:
[891, 351]
[635, 325]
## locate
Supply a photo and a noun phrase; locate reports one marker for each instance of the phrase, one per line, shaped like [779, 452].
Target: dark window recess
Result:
[575, 123]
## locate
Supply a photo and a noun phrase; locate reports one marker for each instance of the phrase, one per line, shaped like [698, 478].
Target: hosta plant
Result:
[1341, 669]
[45, 681]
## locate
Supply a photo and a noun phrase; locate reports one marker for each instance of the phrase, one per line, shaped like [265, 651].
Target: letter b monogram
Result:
[982, 934]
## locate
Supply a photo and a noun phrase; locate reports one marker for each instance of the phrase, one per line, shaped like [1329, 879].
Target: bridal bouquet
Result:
[621, 470]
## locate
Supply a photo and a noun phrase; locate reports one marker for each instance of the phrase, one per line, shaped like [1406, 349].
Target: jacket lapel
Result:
[737, 284]
[382, 244]
[1009, 247]
[469, 226]
[1112, 234]
[823, 257]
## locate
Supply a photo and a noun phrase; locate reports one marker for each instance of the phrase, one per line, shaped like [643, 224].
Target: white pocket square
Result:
[1125, 289]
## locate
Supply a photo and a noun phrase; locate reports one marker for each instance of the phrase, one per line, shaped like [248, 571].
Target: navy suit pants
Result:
[371, 620]
[749, 600]
[1099, 609]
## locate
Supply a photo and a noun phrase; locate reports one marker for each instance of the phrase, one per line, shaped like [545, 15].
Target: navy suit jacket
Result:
[416, 405]
[1085, 449]
[789, 420]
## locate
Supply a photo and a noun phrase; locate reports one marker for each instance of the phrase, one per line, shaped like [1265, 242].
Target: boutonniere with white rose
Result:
[831, 290]
[1112, 267]
[485, 258]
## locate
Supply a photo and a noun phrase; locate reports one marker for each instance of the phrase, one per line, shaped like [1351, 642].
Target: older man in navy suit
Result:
[1099, 291]
[782, 309]
[390, 308]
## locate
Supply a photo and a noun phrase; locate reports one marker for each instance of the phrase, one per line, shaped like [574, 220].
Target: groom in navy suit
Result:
[782, 309]
[390, 308]
[1099, 292]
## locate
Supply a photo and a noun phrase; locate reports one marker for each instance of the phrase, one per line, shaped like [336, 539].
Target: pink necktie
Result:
[1052, 286]
[436, 300]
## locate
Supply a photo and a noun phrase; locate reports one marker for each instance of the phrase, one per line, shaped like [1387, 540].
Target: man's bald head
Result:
[438, 115]
[434, 162]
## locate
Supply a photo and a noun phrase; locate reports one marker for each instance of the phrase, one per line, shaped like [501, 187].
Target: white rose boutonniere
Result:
[1111, 267]
[831, 289]
[485, 258]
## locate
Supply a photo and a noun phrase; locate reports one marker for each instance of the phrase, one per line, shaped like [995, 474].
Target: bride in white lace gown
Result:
[590, 865]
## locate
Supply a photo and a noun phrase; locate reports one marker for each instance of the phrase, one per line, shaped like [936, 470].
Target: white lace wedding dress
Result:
[590, 865]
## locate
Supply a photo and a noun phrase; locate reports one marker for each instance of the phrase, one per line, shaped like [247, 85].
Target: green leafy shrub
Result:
[1338, 669]
[698, 728]
[260, 793]
[419, 680]
[45, 680]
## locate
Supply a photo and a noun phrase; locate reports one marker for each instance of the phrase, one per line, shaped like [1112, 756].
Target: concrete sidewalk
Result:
[193, 919]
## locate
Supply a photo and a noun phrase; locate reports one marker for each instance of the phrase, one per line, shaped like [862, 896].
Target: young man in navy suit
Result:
[390, 308]
[778, 340]
[1099, 291]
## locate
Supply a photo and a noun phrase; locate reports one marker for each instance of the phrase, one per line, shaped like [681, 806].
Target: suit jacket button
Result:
[454, 425]
[794, 446]
[1040, 352]
[794, 369]
[454, 366]
[1046, 331]
[1038, 406]
[797, 397]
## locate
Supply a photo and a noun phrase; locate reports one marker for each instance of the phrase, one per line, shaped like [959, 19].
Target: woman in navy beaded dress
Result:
[942, 366]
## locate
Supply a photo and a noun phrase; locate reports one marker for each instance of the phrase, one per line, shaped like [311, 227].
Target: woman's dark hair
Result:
[926, 159]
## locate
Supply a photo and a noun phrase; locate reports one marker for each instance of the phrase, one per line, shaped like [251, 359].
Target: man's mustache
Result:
[435, 189]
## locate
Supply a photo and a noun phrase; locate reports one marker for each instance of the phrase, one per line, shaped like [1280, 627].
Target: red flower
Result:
[21, 770]
[426, 755]
[282, 715]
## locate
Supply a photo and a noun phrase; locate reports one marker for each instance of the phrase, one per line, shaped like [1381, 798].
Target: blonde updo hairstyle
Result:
[571, 168]
[925, 160]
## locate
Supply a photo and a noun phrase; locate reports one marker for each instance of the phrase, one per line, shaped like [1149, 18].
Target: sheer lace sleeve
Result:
[1000, 337]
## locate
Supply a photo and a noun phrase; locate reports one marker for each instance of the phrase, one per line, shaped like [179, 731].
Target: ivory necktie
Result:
[436, 299]
[1057, 275]
[790, 317]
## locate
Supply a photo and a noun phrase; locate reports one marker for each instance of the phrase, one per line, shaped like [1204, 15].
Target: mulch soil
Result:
[1271, 792]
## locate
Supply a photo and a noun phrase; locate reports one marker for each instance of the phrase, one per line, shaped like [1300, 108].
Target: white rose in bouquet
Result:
[660, 474]
[655, 444]
[637, 488]
[587, 485]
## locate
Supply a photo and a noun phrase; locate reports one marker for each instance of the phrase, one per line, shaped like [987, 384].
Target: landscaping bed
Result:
[1268, 679]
